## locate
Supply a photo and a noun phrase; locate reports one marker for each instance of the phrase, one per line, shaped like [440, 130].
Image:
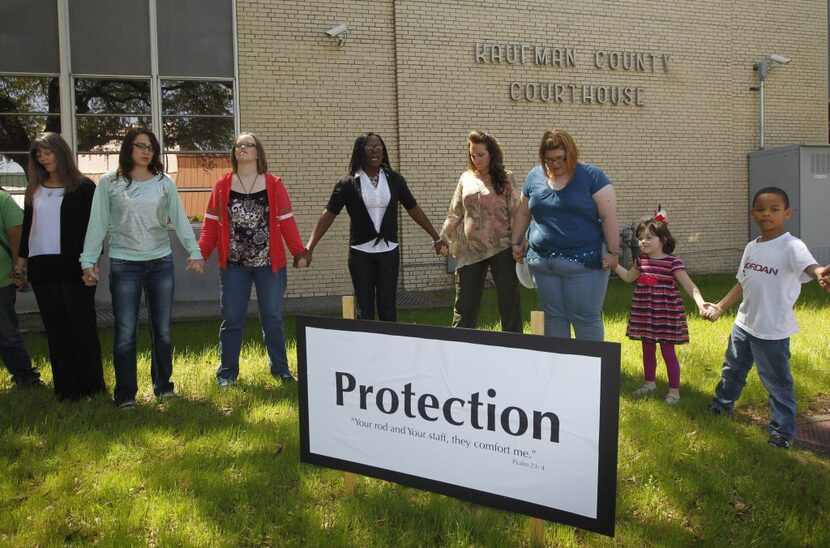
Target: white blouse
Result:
[45, 234]
[377, 200]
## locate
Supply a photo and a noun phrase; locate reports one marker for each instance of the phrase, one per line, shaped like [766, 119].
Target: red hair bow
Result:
[661, 215]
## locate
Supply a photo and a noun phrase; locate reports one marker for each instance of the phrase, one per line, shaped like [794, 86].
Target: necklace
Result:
[249, 188]
[53, 190]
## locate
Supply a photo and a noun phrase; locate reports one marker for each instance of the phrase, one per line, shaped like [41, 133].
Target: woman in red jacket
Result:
[247, 218]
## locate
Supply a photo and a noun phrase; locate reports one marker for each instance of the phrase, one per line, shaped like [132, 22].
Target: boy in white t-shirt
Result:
[770, 275]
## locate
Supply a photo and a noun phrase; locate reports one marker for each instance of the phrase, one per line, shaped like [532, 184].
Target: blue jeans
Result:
[127, 280]
[234, 296]
[12, 350]
[772, 358]
[571, 294]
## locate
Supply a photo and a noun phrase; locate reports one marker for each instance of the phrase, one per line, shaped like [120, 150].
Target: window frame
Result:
[67, 80]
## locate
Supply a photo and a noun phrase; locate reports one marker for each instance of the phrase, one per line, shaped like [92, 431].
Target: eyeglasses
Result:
[144, 147]
[554, 161]
[244, 145]
[374, 147]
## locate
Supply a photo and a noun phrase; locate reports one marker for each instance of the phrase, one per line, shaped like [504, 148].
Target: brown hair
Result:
[559, 139]
[125, 155]
[66, 170]
[261, 160]
[498, 174]
[659, 229]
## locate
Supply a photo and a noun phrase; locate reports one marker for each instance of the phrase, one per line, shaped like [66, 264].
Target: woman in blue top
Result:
[138, 201]
[571, 209]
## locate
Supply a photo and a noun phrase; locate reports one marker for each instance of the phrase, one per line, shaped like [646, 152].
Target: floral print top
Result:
[249, 229]
[479, 221]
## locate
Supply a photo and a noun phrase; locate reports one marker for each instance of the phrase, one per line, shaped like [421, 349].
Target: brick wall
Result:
[408, 72]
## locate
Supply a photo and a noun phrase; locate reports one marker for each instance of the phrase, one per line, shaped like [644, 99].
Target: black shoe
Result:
[715, 409]
[225, 384]
[777, 439]
[37, 383]
[286, 377]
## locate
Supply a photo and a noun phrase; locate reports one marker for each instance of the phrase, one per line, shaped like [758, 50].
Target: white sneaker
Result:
[644, 390]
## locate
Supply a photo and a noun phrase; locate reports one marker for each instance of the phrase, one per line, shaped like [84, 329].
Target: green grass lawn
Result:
[222, 468]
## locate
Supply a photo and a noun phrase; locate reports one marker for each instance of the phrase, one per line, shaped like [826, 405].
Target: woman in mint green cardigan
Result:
[137, 201]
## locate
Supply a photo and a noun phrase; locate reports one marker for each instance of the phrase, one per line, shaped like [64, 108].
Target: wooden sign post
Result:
[537, 526]
[349, 479]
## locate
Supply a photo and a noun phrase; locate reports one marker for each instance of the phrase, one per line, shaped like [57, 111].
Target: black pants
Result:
[469, 287]
[68, 312]
[375, 280]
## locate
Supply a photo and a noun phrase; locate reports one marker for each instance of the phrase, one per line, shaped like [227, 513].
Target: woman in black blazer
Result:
[371, 193]
[55, 216]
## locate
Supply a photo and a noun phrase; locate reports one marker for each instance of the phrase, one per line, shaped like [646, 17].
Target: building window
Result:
[186, 94]
[30, 104]
[197, 115]
[104, 108]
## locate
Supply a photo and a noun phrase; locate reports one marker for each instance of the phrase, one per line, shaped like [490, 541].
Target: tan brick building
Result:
[657, 94]
[424, 73]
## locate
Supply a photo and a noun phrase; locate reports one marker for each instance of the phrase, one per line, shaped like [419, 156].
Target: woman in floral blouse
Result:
[477, 229]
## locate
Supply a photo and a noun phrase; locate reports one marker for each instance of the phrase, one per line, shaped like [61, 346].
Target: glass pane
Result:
[104, 133]
[29, 28]
[95, 165]
[29, 94]
[16, 131]
[186, 133]
[11, 170]
[110, 36]
[195, 38]
[94, 96]
[191, 97]
[195, 175]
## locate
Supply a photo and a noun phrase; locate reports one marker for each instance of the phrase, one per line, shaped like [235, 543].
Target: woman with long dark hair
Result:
[477, 228]
[137, 201]
[371, 192]
[248, 217]
[55, 216]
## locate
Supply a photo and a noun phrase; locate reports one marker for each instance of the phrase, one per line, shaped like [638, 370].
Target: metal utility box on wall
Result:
[803, 171]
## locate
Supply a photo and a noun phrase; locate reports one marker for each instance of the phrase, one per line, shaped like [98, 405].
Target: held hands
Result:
[519, 251]
[19, 278]
[710, 311]
[196, 265]
[823, 276]
[303, 259]
[440, 247]
[90, 276]
[610, 261]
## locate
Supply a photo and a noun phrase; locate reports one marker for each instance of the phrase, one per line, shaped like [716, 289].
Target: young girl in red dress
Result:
[657, 314]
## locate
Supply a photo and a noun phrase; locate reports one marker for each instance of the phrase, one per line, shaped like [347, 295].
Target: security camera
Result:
[779, 58]
[338, 31]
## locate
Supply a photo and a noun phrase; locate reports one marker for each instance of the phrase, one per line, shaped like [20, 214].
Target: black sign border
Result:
[609, 354]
